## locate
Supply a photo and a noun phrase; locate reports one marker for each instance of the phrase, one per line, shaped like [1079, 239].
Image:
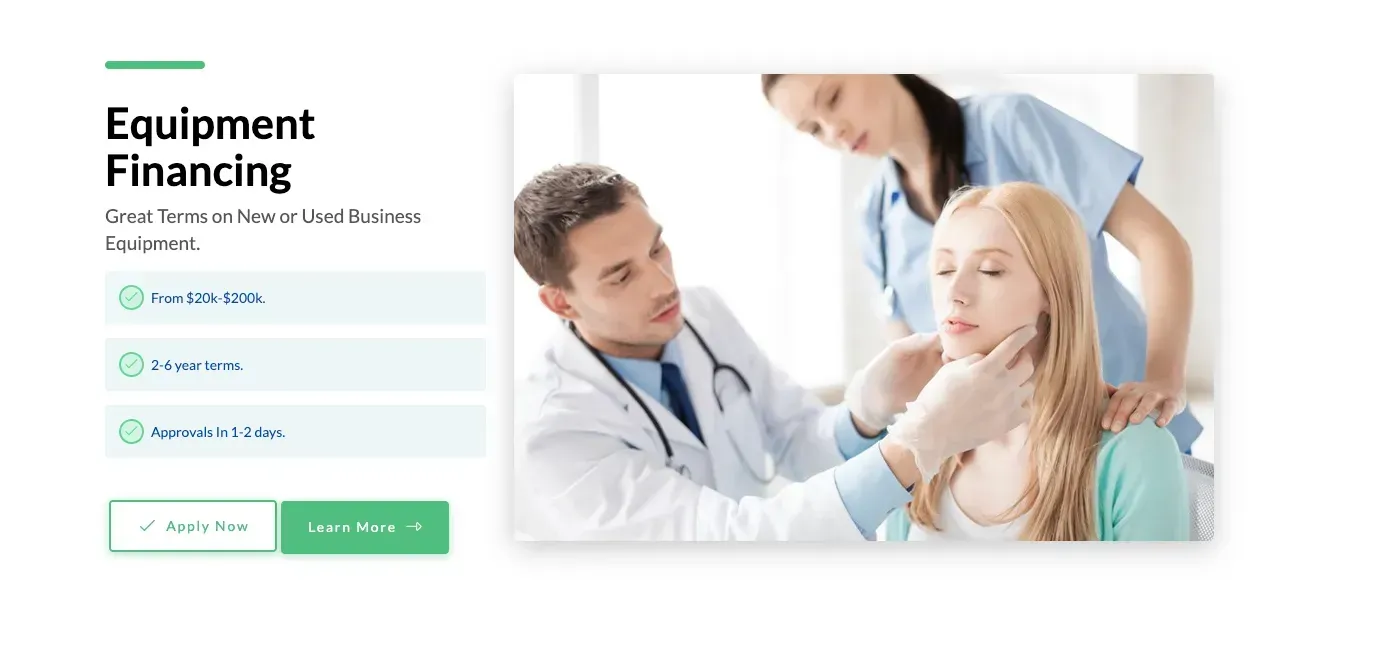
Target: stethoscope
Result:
[718, 368]
[890, 297]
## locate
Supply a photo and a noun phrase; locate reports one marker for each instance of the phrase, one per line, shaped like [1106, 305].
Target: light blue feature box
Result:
[422, 365]
[296, 298]
[294, 431]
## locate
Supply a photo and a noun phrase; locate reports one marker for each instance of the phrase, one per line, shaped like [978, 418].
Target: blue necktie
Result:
[673, 382]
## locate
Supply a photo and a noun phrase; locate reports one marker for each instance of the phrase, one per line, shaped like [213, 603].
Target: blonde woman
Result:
[1004, 257]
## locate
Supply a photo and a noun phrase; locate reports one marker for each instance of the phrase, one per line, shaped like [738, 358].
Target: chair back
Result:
[1201, 497]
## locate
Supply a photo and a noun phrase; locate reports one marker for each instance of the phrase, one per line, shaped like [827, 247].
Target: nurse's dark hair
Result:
[941, 113]
[553, 203]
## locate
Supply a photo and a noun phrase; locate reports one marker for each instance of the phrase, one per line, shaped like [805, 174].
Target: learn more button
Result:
[192, 526]
[365, 528]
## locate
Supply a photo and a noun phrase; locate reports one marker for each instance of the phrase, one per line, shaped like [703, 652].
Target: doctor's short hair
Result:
[554, 202]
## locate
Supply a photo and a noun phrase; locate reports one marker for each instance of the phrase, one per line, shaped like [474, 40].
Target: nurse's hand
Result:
[894, 377]
[967, 403]
[1135, 401]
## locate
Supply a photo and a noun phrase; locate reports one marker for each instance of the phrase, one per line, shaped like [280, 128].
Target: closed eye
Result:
[992, 273]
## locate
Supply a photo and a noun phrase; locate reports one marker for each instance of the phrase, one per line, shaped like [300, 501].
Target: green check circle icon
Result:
[131, 364]
[131, 297]
[131, 431]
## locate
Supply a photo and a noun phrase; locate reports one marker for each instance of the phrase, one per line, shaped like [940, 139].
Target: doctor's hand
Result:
[967, 403]
[882, 389]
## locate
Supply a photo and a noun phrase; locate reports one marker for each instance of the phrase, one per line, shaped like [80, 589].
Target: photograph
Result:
[865, 307]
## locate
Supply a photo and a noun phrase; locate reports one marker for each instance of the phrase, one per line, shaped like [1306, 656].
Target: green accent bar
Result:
[155, 64]
[365, 528]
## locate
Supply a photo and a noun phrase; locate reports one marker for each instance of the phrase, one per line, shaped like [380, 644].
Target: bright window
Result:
[751, 208]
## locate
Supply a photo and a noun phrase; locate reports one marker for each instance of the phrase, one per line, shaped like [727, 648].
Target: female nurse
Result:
[931, 144]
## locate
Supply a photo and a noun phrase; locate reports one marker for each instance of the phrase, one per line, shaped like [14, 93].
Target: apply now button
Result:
[365, 528]
[192, 526]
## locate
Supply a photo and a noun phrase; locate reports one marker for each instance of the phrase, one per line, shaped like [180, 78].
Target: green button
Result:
[365, 528]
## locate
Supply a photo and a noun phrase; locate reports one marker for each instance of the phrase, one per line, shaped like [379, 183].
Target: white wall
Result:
[1178, 134]
[548, 111]
[864, 328]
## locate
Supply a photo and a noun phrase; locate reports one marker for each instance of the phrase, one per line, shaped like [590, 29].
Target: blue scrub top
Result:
[1017, 137]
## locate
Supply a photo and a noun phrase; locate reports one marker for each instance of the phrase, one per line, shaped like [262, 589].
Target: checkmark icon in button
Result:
[131, 364]
[147, 525]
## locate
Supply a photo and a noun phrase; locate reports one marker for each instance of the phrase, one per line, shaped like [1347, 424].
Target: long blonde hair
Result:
[1064, 429]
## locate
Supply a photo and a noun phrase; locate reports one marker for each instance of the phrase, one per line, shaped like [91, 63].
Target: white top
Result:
[957, 526]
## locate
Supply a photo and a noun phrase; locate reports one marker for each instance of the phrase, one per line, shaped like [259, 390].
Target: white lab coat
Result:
[593, 467]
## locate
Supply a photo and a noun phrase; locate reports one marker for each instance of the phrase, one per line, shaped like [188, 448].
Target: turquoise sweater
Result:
[1142, 489]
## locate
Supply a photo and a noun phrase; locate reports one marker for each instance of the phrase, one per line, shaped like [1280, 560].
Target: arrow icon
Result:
[416, 527]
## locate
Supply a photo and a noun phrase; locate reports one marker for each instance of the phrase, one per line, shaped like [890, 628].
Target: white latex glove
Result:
[967, 403]
[882, 389]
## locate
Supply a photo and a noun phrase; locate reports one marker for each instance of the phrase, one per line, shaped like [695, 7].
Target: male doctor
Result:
[654, 416]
